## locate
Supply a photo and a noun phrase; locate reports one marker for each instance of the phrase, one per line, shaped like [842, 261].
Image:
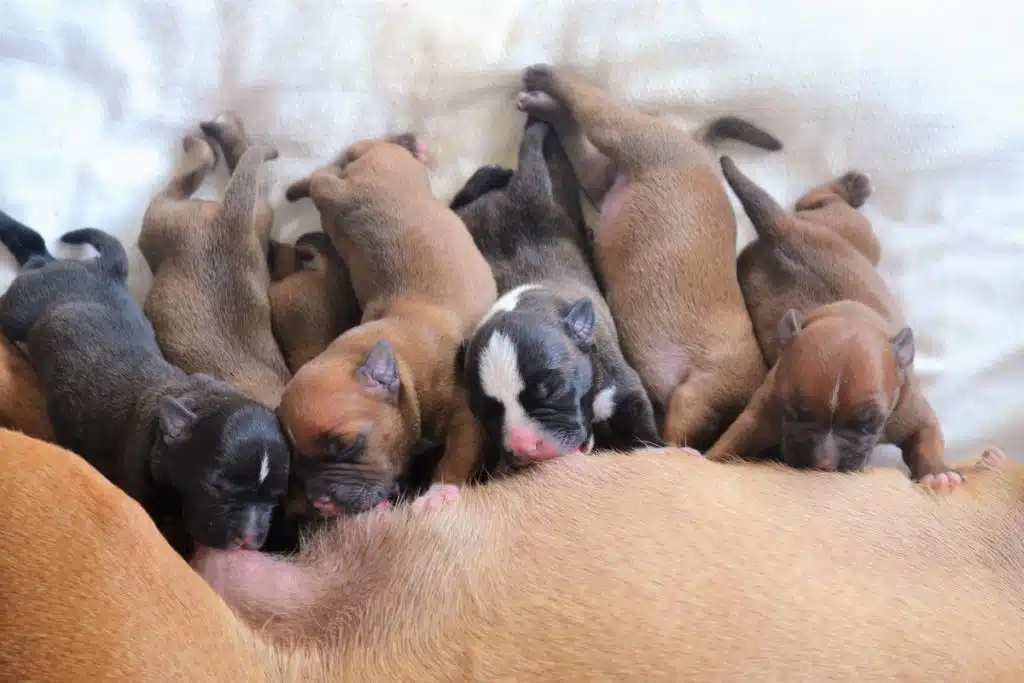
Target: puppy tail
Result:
[113, 260]
[22, 241]
[762, 209]
[735, 128]
[532, 177]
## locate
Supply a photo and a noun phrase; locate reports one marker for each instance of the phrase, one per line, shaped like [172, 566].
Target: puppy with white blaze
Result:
[543, 368]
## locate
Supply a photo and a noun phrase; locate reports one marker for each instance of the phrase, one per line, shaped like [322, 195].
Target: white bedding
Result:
[928, 97]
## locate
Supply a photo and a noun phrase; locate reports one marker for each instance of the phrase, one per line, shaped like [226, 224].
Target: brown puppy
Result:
[313, 302]
[209, 303]
[665, 245]
[567, 573]
[359, 412]
[843, 377]
[22, 407]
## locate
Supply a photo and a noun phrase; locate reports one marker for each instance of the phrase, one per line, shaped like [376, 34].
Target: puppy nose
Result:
[526, 443]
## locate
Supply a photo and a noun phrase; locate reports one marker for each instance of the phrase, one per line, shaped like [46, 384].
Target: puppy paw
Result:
[227, 125]
[198, 152]
[436, 497]
[540, 77]
[411, 143]
[543, 106]
[942, 482]
[856, 188]
[992, 459]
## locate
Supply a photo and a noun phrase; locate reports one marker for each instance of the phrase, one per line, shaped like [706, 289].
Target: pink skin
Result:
[327, 508]
[436, 497]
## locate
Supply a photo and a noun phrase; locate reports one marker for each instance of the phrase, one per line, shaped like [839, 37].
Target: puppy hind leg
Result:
[691, 419]
[243, 194]
[632, 140]
[834, 204]
[594, 171]
[484, 180]
[229, 133]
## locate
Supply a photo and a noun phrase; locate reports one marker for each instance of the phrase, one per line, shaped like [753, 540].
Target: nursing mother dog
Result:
[658, 567]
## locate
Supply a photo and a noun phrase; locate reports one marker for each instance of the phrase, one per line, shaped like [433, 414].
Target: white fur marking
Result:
[604, 404]
[264, 467]
[506, 302]
[833, 402]
[500, 379]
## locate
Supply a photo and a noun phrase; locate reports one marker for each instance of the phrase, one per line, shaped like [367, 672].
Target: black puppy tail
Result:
[735, 128]
[22, 241]
[112, 259]
[764, 212]
[533, 178]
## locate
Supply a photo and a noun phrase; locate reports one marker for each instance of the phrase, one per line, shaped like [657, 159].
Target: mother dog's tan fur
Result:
[652, 567]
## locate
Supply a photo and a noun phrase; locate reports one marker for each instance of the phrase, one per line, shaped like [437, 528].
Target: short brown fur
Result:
[312, 302]
[209, 300]
[665, 245]
[839, 351]
[747, 574]
[22, 406]
[422, 285]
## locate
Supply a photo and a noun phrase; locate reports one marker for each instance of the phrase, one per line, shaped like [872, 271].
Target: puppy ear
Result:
[903, 347]
[580, 322]
[789, 328]
[381, 368]
[176, 420]
[460, 361]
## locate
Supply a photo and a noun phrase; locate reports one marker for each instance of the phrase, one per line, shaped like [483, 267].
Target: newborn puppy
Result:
[665, 246]
[207, 463]
[22, 407]
[843, 379]
[383, 392]
[209, 303]
[544, 363]
[313, 303]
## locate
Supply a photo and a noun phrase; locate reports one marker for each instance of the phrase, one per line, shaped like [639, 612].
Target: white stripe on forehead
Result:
[264, 467]
[507, 302]
[500, 379]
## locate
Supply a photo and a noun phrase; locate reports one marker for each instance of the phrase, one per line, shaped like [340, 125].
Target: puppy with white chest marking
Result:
[842, 378]
[209, 301]
[207, 463]
[311, 298]
[544, 364]
[665, 245]
[361, 412]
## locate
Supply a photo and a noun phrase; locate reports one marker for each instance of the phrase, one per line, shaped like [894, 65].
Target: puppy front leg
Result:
[757, 428]
[923, 453]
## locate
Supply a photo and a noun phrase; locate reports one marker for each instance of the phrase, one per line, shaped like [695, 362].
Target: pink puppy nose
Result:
[528, 444]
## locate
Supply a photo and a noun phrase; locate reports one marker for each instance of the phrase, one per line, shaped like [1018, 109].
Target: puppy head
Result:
[530, 380]
[838, 381]
[230, 465]
[351, 440]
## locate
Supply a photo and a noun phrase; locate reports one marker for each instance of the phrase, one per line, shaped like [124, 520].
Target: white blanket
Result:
[928, 97]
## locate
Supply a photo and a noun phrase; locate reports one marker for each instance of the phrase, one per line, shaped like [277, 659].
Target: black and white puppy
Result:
[544, 364]
[207, 463]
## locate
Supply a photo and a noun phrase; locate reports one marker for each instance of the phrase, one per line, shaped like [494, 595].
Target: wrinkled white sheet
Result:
[928, 97]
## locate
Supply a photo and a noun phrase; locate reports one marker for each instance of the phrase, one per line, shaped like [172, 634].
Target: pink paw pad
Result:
[992, 459]
[943, 482]
[436, 497]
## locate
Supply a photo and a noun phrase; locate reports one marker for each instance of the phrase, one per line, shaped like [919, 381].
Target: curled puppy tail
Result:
[764, 212]
[113, 260]
[22, 241]
[735, 128]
